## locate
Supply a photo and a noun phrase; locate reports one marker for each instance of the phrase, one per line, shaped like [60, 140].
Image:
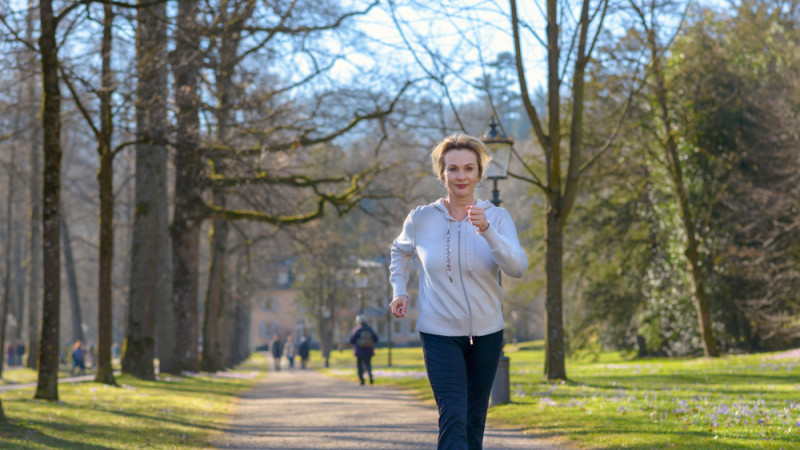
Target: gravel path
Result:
[304, 409]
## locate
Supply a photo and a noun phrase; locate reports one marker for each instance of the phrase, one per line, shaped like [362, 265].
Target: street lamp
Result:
[499, 147]
[361, 282]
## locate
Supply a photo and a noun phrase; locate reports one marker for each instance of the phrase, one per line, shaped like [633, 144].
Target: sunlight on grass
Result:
[612, 400]
[175, 412]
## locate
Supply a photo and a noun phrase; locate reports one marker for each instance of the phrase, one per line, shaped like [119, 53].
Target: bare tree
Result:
[560, 188]
[72, 282]
[47, 384]
[35, 265]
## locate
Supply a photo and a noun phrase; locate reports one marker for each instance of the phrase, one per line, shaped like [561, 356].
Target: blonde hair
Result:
[459, 142]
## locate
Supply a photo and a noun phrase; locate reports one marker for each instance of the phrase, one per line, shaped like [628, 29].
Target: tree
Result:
[669, 142]
[559, 188]
[35, 266]
[148, 246]
[72, 282]
[47, 384]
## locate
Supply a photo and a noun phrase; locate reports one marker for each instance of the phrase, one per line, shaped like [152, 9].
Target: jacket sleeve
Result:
[506, 251]
[402, 253]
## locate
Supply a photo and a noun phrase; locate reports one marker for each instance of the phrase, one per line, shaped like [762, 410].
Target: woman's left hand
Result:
[477, 217]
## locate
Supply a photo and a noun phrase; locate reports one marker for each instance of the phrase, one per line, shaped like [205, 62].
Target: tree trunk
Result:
[47, 384]
[35, 265]
[19, 281]
[555, 355]
[188, 212]
[72, 283]
[105, 183]
[215, 308]
[149, 220]
[7, 247]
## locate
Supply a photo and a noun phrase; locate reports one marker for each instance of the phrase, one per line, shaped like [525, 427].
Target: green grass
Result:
[612, 400]
[175, 412]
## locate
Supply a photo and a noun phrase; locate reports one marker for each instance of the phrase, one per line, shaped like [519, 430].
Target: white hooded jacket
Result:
[459, 292]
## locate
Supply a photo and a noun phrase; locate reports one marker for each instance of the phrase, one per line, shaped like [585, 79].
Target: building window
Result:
[398, 327]
[268, 303]
[263, 330]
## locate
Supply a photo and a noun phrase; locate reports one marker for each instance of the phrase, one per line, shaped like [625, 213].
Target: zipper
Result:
[463, 288]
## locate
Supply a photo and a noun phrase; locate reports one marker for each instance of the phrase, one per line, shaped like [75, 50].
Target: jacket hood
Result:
[439, 205]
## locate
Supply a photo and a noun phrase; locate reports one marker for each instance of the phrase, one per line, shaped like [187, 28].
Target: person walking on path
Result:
[462, 244]
[289, 349]
[363, 339]
[20, 352]
[277, 351]
[77, 358]
[303, 351]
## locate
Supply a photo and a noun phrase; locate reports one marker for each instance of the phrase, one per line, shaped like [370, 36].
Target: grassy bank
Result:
[175, 412]
[611, 401]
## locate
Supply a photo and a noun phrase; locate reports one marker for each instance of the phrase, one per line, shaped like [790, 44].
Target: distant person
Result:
[277, 351]
[78, 358]
[20, 352]
[303, 352]
[363, 339]
[12, 354]
[290, 350]
[462, 244]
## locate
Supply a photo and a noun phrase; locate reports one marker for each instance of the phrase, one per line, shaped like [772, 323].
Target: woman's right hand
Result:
[399, 305]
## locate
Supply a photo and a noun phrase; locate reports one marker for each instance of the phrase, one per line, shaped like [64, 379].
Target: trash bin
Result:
[500, 388]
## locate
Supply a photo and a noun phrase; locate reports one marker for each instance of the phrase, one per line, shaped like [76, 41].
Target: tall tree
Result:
[560, 188]
[105, 184]
[47, 383]
[150, 213]
[7, 248]
[668, 140]
[216, 348]
[35, 265]
[72, 282]
[189, 175]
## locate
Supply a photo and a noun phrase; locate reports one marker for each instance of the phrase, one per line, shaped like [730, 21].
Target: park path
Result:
[305, 409]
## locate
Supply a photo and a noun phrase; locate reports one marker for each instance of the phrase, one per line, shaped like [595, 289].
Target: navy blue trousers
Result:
[461, 377]
[364, 364]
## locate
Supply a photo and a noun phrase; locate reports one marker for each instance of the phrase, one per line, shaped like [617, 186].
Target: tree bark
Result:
[72, 283]
[189, 210]
[105, 183]
[149, 220]
[213, 353]
[47, 384]
[555, 354]
[35, 264]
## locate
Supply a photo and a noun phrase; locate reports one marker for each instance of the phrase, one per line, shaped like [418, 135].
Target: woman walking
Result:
[461, 243]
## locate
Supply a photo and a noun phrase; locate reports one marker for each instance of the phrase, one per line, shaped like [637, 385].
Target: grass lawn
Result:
[613, 401]
[175, 412]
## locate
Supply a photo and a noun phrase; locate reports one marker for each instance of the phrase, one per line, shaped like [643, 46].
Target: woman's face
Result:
[461, 173]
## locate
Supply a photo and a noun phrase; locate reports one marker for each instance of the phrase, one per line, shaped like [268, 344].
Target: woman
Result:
[461, 243]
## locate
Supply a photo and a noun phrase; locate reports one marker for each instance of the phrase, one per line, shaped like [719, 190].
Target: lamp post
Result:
[499, 147]
[361, 282]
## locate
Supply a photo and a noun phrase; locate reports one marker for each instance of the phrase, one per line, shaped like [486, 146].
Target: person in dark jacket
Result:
[363, 339]
[77, 358]
[303, 351]
[277, 351]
